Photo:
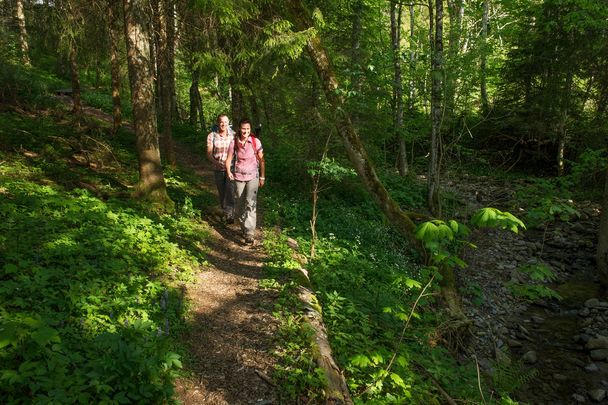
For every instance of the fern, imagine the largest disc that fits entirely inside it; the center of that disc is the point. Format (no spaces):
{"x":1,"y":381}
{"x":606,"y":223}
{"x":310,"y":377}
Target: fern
{"x":509,"y":375}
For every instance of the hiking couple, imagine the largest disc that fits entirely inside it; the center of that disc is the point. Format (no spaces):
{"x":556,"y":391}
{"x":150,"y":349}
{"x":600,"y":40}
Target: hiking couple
{"x":237,"y":183}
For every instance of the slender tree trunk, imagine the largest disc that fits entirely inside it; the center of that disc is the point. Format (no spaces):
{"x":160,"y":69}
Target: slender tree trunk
{"x":562,"y":124}
{"x":455,"y":11}
{"x":114,"y":31}
{"x":413,"y":61}
{"x":164,"y":78}
{"x":171,"y":44}
{"x":398,"y":87}
{"x":193,"y":93}
{"x":434,"y":169}
{"x":602,"y":242}
{"x":255,"y":111}
{"x":356,"y":45}
{"x":237,"y":104}
{"x":484,"y":52}
{"x":23,"y":41}
{"x":151,"y":184}
{"x":76,"y":98}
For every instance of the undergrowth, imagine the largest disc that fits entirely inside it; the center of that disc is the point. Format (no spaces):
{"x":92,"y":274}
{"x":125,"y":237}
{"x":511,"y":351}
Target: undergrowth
{"x":91,"y":298}
{"x":367,"y":279}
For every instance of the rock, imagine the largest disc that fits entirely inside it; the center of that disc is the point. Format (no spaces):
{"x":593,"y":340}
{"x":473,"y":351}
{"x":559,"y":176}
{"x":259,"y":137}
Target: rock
{"x":530,"y":357}
{"x":597,"y":395}
{"x":559,"y":377}
{"x":592,"y":302}
{"x":601,"y":342}
{"x":584,"y":312}
{"x":592,"y":368}
{"x":578,"y":398}
{"x":537,"y":319}
{"x":514,"y":343}
{"x":599,"y":354}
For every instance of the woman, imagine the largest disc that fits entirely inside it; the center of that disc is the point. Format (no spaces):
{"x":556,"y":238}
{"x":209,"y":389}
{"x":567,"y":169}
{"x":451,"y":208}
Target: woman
{"x":249,"y":170}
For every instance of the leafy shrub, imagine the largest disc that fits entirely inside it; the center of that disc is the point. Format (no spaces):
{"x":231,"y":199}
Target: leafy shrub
{"x":20,"y":84}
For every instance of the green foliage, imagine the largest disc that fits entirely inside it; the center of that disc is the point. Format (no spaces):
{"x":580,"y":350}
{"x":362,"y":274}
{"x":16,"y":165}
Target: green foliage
{"x":494,"y":218}
{"x":297,"y":372}
{"x":550,"y":209}
{"x":510,"y":375}
{"x":366,"y":280}
{"x":531,"y":292}
{"x":90,"y":304}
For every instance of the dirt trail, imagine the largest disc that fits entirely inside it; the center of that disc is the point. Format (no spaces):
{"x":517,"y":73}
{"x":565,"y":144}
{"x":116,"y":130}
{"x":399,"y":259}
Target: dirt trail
{"x":232,"y":329}
{"x":231,"y":338}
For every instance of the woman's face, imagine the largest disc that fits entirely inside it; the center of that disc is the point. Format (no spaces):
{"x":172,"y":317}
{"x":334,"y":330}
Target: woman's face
{"x":222,"y":123}
{"x":245,"y":130}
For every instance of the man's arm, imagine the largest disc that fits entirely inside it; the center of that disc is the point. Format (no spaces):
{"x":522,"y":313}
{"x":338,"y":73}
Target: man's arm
{"x":228,"y":163}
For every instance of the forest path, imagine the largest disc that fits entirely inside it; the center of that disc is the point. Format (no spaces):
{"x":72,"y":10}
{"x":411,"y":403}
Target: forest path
{"x":231,"y":335}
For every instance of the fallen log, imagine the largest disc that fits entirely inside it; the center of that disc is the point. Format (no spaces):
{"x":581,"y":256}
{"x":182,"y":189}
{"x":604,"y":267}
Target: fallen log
{"x":336,"y":390}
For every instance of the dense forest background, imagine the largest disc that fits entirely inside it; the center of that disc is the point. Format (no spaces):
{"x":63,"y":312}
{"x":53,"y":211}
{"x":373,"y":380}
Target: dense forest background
{"x":395,"y":134}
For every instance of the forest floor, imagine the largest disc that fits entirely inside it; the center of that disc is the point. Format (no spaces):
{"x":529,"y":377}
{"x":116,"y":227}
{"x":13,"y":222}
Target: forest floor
{"x":548,"y":351}
{"x":231,"y":336}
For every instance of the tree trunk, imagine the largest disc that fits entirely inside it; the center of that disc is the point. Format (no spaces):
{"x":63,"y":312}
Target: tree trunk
{"x":484,"y":52}
{"x":171,"y":44}
{"x":562,"y":127}
{"x":114,"y":32}
{"x":398,"y":87}
{"x":164,"y":79}
{"x":237,"y":104}
{"x":602,"y":242}
{"x":75,"y":77}
{"x":356,"y":45}
{"x":193,"y":93}
{"x":23,"y":41}
{"x":151,"y":184}
{"x":434,"y":168}
{"x":455,"y":11}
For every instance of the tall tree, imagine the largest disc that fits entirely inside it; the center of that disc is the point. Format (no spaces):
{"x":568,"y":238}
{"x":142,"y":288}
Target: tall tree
{"x":23,"y":40}
{"x":151,"y":184}
{"x":483,"y":57}
{"x":434,"y":168}
{"x":398,"y":86}
{"x":164,"y":56}
{"x":113,"y":12}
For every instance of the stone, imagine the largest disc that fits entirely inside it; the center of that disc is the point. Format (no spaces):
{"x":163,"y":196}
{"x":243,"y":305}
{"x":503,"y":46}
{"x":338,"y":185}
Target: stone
{"x":592,"y":302}
{"x":537,"y":319}
{"x":599,"y":354}
{"x":578,"y":398}
{"x":584,"y":312}
{"x":601,"y":342}
{"x":514,"y":343}
{"x":559,"y":377}
{"x":530,"y":357}
{"x":597,"y":395}
{"x":592,"y":368}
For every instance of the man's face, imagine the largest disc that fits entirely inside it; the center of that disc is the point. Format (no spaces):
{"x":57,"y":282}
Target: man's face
{"x":245,"y":130}
{"x":222,"y":122}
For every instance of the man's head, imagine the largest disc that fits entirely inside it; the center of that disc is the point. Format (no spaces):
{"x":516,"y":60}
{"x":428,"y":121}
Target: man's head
{"x":222,"y":122}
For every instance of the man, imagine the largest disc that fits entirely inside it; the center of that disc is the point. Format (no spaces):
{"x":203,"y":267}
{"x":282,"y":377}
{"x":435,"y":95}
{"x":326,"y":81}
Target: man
{"x":218,"y":143}
{"x":248,"y":154}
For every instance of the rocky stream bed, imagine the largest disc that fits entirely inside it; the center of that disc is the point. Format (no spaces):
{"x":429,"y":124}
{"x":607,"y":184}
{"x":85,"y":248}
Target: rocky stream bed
{"x":559,"y":347}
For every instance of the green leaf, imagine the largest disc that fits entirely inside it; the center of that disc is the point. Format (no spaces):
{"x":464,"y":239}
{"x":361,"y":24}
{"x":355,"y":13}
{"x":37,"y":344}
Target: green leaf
{"x":360,"y":360}
{"x":45,"y":335}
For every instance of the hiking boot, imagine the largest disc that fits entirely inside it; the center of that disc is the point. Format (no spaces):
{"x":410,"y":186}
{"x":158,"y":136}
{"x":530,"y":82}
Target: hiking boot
{"x":249,"y":240}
